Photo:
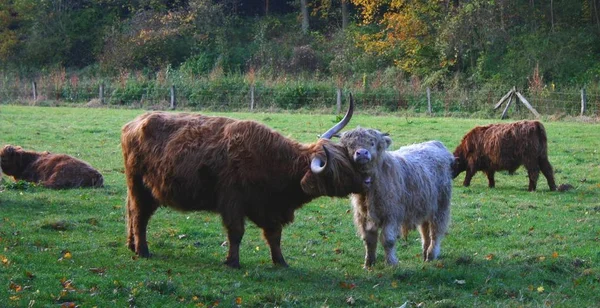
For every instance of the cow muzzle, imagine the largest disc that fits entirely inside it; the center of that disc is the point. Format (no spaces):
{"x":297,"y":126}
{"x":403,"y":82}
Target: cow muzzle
{"x":362,"y":156}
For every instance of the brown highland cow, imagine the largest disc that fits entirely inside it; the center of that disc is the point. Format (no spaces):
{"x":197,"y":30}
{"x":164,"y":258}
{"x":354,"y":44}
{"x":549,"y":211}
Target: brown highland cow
{"x":498,"y":147}
{"x":239,"y":169}
{"x":50,"y":170}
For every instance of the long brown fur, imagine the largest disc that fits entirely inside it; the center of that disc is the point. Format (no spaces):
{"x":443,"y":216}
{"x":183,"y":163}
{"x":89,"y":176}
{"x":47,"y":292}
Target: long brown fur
{"x":236,"y":168}
{"x":55,"y":171}
{"x":498,"y":147}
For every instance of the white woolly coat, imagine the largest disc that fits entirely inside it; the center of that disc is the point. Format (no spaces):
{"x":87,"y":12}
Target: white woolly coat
{"x":409,"y":185}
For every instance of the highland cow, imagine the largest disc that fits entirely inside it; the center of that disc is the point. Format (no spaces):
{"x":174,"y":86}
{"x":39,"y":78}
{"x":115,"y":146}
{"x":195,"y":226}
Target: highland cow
{"x":409,"y":187}
{"x":55,"y":171}
{"x":239,"y":169}
{"x":498,"y":147}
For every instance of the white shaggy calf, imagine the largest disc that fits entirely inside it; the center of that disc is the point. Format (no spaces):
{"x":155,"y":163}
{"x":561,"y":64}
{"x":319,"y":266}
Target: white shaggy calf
{"x":404,"y":189}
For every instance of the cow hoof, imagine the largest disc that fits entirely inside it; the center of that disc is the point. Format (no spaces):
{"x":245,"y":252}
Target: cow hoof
{"x":233,"y":264}
{"x":281,"y":264}
{"x":143,"y":253}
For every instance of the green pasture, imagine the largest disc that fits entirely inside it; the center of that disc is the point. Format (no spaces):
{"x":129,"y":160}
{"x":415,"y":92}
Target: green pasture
{"x":506,"y":247}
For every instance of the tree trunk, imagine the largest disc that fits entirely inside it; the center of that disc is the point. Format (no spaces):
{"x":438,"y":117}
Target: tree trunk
{"x":266,"y":7}
{"x":596,"y":13}
{"x":552,"y":15}
{"x":304,"y":10}
{"x":502,"y":14}
{"x":344,"y":14}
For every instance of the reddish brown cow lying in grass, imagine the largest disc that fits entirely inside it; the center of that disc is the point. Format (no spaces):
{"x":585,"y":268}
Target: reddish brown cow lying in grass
{"x":498,"y":147}
{"x":239,"y":169}
{"x":50,"y":170}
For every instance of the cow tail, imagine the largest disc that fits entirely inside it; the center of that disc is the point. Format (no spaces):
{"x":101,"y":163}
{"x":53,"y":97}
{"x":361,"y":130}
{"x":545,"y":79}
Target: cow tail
{"x":541,"y":131}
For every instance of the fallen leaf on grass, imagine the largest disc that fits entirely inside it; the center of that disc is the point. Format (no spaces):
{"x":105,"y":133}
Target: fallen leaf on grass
{"x":68,"y":305}
{"x":587,"y":272}
{"x":15,"y":287}
{"x":460,"y":282}
{"x":348,"y":286}
{"x":238,"y":300}
{"x":67,"y":284}
{"x":4,"y":260}
{"x":555,"y":255}
{"x":61,"y":225}
{"x":98,"y":270}
{"x":350,"y":300}
{"x":66,"y":255}
{"x":489,"y":257}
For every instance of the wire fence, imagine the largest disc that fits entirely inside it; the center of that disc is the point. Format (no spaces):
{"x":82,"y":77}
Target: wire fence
{"x":269,"y":98}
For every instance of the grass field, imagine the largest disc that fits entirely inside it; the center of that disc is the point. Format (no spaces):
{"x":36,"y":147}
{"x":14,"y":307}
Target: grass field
{"x":506,"y":247}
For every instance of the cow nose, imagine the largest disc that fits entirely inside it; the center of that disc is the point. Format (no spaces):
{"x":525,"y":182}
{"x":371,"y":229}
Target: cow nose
{"x":362,"y":156}
{"x":361,"y":153}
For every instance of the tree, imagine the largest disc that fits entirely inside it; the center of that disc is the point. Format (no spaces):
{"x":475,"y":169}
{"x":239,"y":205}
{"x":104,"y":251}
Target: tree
{"x":344,"y":4}
{"x":304,"y":11}
{"x":406,"y":31}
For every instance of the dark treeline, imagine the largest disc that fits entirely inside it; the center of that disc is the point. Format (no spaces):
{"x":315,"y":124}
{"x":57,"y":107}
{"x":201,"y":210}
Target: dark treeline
{"x":441,"y":43}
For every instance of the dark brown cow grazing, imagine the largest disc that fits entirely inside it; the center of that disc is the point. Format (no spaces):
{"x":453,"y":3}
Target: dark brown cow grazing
{"x":50,"y":170}
{"x":236,"y":168}
{"x":498,"y":147}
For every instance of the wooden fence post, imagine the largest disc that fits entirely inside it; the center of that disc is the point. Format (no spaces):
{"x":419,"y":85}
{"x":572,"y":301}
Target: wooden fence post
{"x":173,"y":101}
{"x":251,"y":97}
{"x":338,"y":100}
{"x":510,"y":99}
{"x":428,"y":101}
{"x":583,"y":101}
{"x":527,"y":104}
{"x":101,"y":93}
{"x":34,"y":86}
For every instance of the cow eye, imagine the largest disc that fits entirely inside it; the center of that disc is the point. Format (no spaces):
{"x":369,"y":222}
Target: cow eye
{"x":372,"y":143}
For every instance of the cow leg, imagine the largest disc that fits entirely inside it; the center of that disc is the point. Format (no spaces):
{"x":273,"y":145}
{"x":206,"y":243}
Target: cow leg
{"x":235,"y":233}
{"x":548,"y":172}
{"x":469,"y":175}
{"x":425,"y":232}
{"x":59,"y":180}
{"x":389,"y":234}
{"x":491,"y":180}
{"x":368,"y":232}
{"x":140,"y":207}
{"x":533,"y":173}
{"x":273,"y":237}
{"x":437,"y":227}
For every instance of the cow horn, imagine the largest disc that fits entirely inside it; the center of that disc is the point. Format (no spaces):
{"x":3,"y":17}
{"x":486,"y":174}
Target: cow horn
{"x":317,"y":165}
{"x":338,"y":127}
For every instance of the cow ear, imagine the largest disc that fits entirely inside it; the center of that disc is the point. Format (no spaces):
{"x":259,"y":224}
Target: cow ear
{"x":8,"y":150}
{"x":387,"y":140}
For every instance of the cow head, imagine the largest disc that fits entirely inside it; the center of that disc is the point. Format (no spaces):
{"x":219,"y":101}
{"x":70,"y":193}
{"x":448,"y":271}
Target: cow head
{"x":460,"y":163}
{"x":365,"y":146}
{"x":331,"y":170}
{"x":11,"y":159}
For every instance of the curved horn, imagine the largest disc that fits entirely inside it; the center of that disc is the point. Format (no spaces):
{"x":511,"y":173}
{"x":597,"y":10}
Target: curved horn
{"x":317,"y":165}
{"x":338,"y":127}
